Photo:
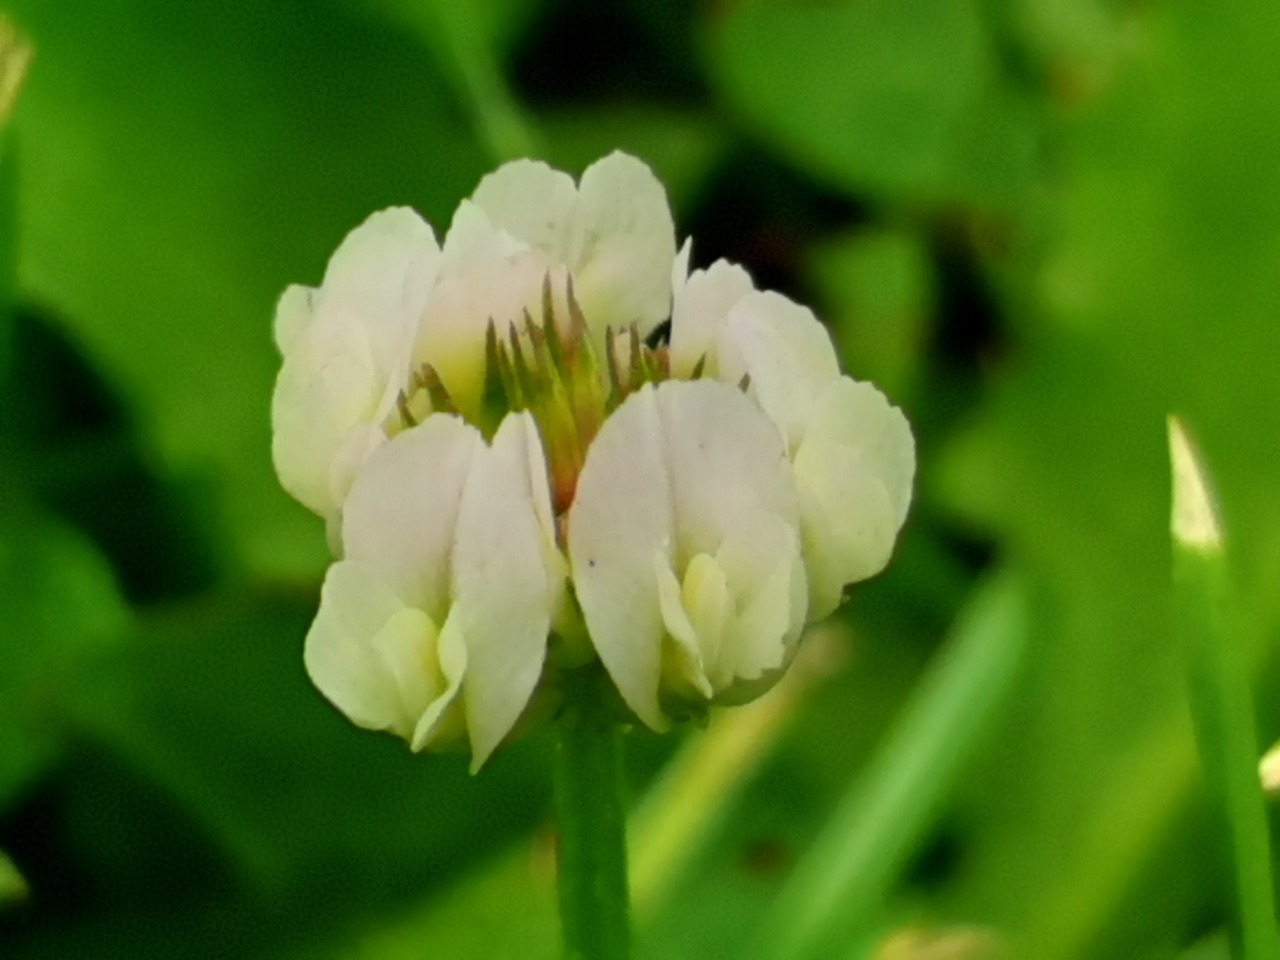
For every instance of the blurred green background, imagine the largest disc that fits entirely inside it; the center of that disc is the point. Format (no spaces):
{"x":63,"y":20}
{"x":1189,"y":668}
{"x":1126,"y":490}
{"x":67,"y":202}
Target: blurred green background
{"x":1039,"y":225}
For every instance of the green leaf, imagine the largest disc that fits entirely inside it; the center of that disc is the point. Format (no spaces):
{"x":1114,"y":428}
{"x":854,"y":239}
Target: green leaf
{"x":464,"y":36}
{"x":880,"y":287}
{"x":1158,"y":292}
{"x":60,"y":613}
{"x":513,"y":903}
{"x":183,"y":164}
{"x":214,"y":705}
{"x":867,"y":95}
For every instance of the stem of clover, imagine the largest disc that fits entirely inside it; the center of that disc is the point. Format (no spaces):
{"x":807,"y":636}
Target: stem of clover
{"x":594,"y":904}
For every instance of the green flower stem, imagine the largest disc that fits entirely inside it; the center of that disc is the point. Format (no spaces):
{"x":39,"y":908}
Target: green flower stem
{"x":594,"y":908}
{"x":1221,"y":701}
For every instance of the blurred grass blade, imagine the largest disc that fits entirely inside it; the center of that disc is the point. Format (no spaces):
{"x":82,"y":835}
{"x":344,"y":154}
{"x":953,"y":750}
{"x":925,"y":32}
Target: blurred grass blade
{"x":1221,"y":701}
{"x":15,"y":56}
{"x":698,"y":788}
{"x":13,"y":886}
{"x":852,"y":866}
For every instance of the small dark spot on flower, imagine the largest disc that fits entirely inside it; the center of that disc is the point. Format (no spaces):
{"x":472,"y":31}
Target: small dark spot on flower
{"x":591,"y":563}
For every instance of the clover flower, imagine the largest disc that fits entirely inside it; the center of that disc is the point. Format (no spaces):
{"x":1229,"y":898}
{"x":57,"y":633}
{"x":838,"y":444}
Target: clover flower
{"x":521,"y":480}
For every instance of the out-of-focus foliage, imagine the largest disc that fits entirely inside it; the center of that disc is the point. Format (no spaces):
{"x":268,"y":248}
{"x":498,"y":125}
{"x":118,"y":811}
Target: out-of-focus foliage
{"x":1041,"y":225}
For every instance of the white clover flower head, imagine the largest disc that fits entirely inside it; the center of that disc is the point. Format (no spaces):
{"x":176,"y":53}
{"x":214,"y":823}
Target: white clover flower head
{"x":522,"y":485}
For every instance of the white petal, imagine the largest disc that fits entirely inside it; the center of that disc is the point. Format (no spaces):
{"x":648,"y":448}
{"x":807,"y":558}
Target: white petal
{"x":682,"y":663}
{"x":530,"y":201}
{"x":622,"y":246}
{"x":357,"y":445}
{"x":847,"y":521}
{"x":788,"y":354}
{"x":857,"y":415}
{"x":485,"y":274}
{"x":370,"y":655}
{"x":539,"y":491}
{"x":680,"y":267}
{"x":346,"y":353}
{"x":381,"y":275}
{"x":698,"y":314}
{"x":473,"y":235}
{"x":444,"y":721}
{"x":762,"y":562}
{"x":400,"y":516}
{"x":312,"y":410}
{"x":671,"y":474}
{"x":620,"y":520}
{"x":293,"y":315}
{"x":726,"y":460}
{"x":854,"y":472}
{"x":501,"y":587}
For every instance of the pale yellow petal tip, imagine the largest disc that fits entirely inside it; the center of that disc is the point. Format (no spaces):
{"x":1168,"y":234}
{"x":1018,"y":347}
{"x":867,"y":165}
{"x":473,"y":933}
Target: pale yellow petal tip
{"x":1269,"y":771}
{"x":1194,"y":517}
{"x":15,"y":57}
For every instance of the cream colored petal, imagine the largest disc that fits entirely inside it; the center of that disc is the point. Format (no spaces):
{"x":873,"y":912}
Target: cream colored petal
{"x":366,"y":651}
{"x":312,"y":411}
{"x":698,"y":314}
{"x":356,"y":447}
{"x":847,"y":520}
{"x":680,"y":267}
{"x":293,"y":315}
{"x":538,"y":488}
{"x":474,"y":236}
{"x":854,"y":471}
{"x":622,"y":246}
{"x":761,"y":559}
{"x":444,"y":721}
{"x":788,"y":355}
{"x":672,"y":474}
{"x":530,"y":201}
{"x":380,"y":275}
{"x":501,"y":587}
{"x":709,"y":602}
{"x":370,"y":264}
{"x":346,"y":353}
{"x":485,"y":274}
{"x":857,"y":415}
{"x":620,"y":520}
{"x":682,"y":662}
{"x":726,"y":462}
{"x":400,"y":516}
